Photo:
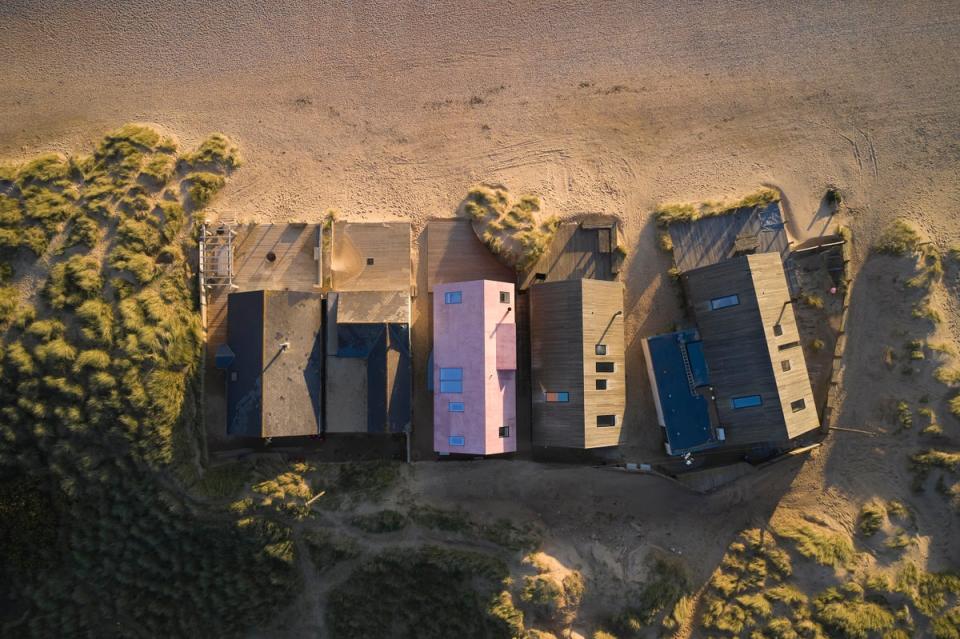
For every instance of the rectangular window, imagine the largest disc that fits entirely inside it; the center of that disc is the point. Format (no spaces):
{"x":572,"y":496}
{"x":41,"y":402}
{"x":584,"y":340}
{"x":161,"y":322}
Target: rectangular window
{"x":606,"y":420}
{"x":504,"y":431}
{"x":798,"y":405}
{"x":451,"y":380}
{"x":453,"y":297}
{"x":785,"y":364}
{"x":455,"y":407}
{"x":723,"y":302}
{"x":504,"y":297}
{"x":601,"y":349}
{"x":604,"y":367}
{"x":777,"y":330}
{"x":558,"y":397}
{"x":456,"y":440}
{"x":788,"y":346}
{"x":601,"y":384}
{"x":747,"y":401}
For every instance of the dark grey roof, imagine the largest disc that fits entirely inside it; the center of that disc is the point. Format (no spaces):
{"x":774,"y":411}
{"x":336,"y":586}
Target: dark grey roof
{"x":274,"y":382}
{"x":744,"y":352}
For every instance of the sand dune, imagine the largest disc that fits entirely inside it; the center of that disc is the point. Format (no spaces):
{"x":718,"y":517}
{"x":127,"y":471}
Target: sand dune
{"x":395,"y":108}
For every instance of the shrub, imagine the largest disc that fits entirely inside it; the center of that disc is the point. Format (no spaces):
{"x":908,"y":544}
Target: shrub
{"x":823,"y":546}
{"x":159,"y":169}
{"x":83,"y":231}
{"x":327,"y":551}
{"x":95,"y":359}
{"x":142,"y":266}
{"x":217,"y":152}
{"x":833,"y":197}
{"x":9,"y":303}
{"x":899,"y":238}
{"x":947,"y":375}
{"x":96,"y":320}
{"x":812,"y":300}
{"x":55,"y":352}
{"x":871,"y":518}
{"x":904,"y":415}
{"x":139,"y":237}
{"x":51,"y":169}
{"x":382,"y":521}
{"x":933,"y":458}
{"x":427,"y":592}
{"x":202,"y":187}
{"x":74,"y":281}
{"x":855,"y":619}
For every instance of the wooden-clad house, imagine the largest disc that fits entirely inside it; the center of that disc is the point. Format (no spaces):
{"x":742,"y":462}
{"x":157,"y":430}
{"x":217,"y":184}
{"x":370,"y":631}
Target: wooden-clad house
{"x":744,"y":359}
{"x":577,"y":363}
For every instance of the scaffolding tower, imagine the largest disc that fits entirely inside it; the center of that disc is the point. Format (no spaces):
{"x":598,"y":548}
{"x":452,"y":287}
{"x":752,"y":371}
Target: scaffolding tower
{"x":216,"y":255}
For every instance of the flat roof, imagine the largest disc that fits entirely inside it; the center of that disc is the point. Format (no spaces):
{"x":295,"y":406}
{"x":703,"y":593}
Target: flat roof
{"x":274,"y":382}
{"x":682,"y":390}
{"x":369,"y":383}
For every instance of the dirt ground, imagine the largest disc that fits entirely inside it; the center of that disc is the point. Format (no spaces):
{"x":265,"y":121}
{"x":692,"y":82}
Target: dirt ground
{"x":394,"y":109}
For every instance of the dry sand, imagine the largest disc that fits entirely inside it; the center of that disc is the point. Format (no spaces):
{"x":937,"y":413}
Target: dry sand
{"x":394,"y":109}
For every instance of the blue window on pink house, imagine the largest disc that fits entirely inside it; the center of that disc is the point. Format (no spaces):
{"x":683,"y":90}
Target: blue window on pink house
{"x":451,"y":380}
{"x":456,"y":440}
{"x":455,"y":407}
{"x":453,"y":297}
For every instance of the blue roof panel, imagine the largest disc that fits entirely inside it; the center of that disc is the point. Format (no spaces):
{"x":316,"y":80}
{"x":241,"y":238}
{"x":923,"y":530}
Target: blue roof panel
{"x":686,"y":413}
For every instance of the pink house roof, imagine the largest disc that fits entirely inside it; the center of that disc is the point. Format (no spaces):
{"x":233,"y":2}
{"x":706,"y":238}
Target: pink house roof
{"x":474,"y":368}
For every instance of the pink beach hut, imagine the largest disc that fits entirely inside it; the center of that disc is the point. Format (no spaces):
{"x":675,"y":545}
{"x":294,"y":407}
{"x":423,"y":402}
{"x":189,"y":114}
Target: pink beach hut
{"x":474,"y":368}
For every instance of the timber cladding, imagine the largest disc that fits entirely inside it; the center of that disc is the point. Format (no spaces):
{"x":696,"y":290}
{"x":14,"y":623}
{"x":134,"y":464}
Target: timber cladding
{"x":568,"y":320}
{"x":745,"y":344}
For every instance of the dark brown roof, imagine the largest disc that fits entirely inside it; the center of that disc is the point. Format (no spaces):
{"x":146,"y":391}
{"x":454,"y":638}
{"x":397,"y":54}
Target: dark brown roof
{"x":568,"y":319}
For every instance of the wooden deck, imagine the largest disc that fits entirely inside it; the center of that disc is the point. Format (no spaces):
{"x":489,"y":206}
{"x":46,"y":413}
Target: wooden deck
{"x":455,"y":254}
{"x":578,"y":251}
{"x":711,"y":240}
{"x":371,"y":256}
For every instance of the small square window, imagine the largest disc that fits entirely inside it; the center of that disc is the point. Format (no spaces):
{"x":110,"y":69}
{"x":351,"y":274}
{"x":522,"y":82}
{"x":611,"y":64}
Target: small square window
{"x":785,"y":364}
{"x":451,"y":380}
{"x":777,"y":330}
{"x":504,"y":297}
{"x":453,"y":297}
{"x":562,"y":396}
{"x":601,"y":384}
{"x":606,"y":420}
{"x":798,"y":405}
{"x":600,"y":349}
{"x":456,"y":440}
{"x":605,"y":367}
{"x":369,"y":261}
{"x":455,"y":407}
{"x":504,"y":431}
